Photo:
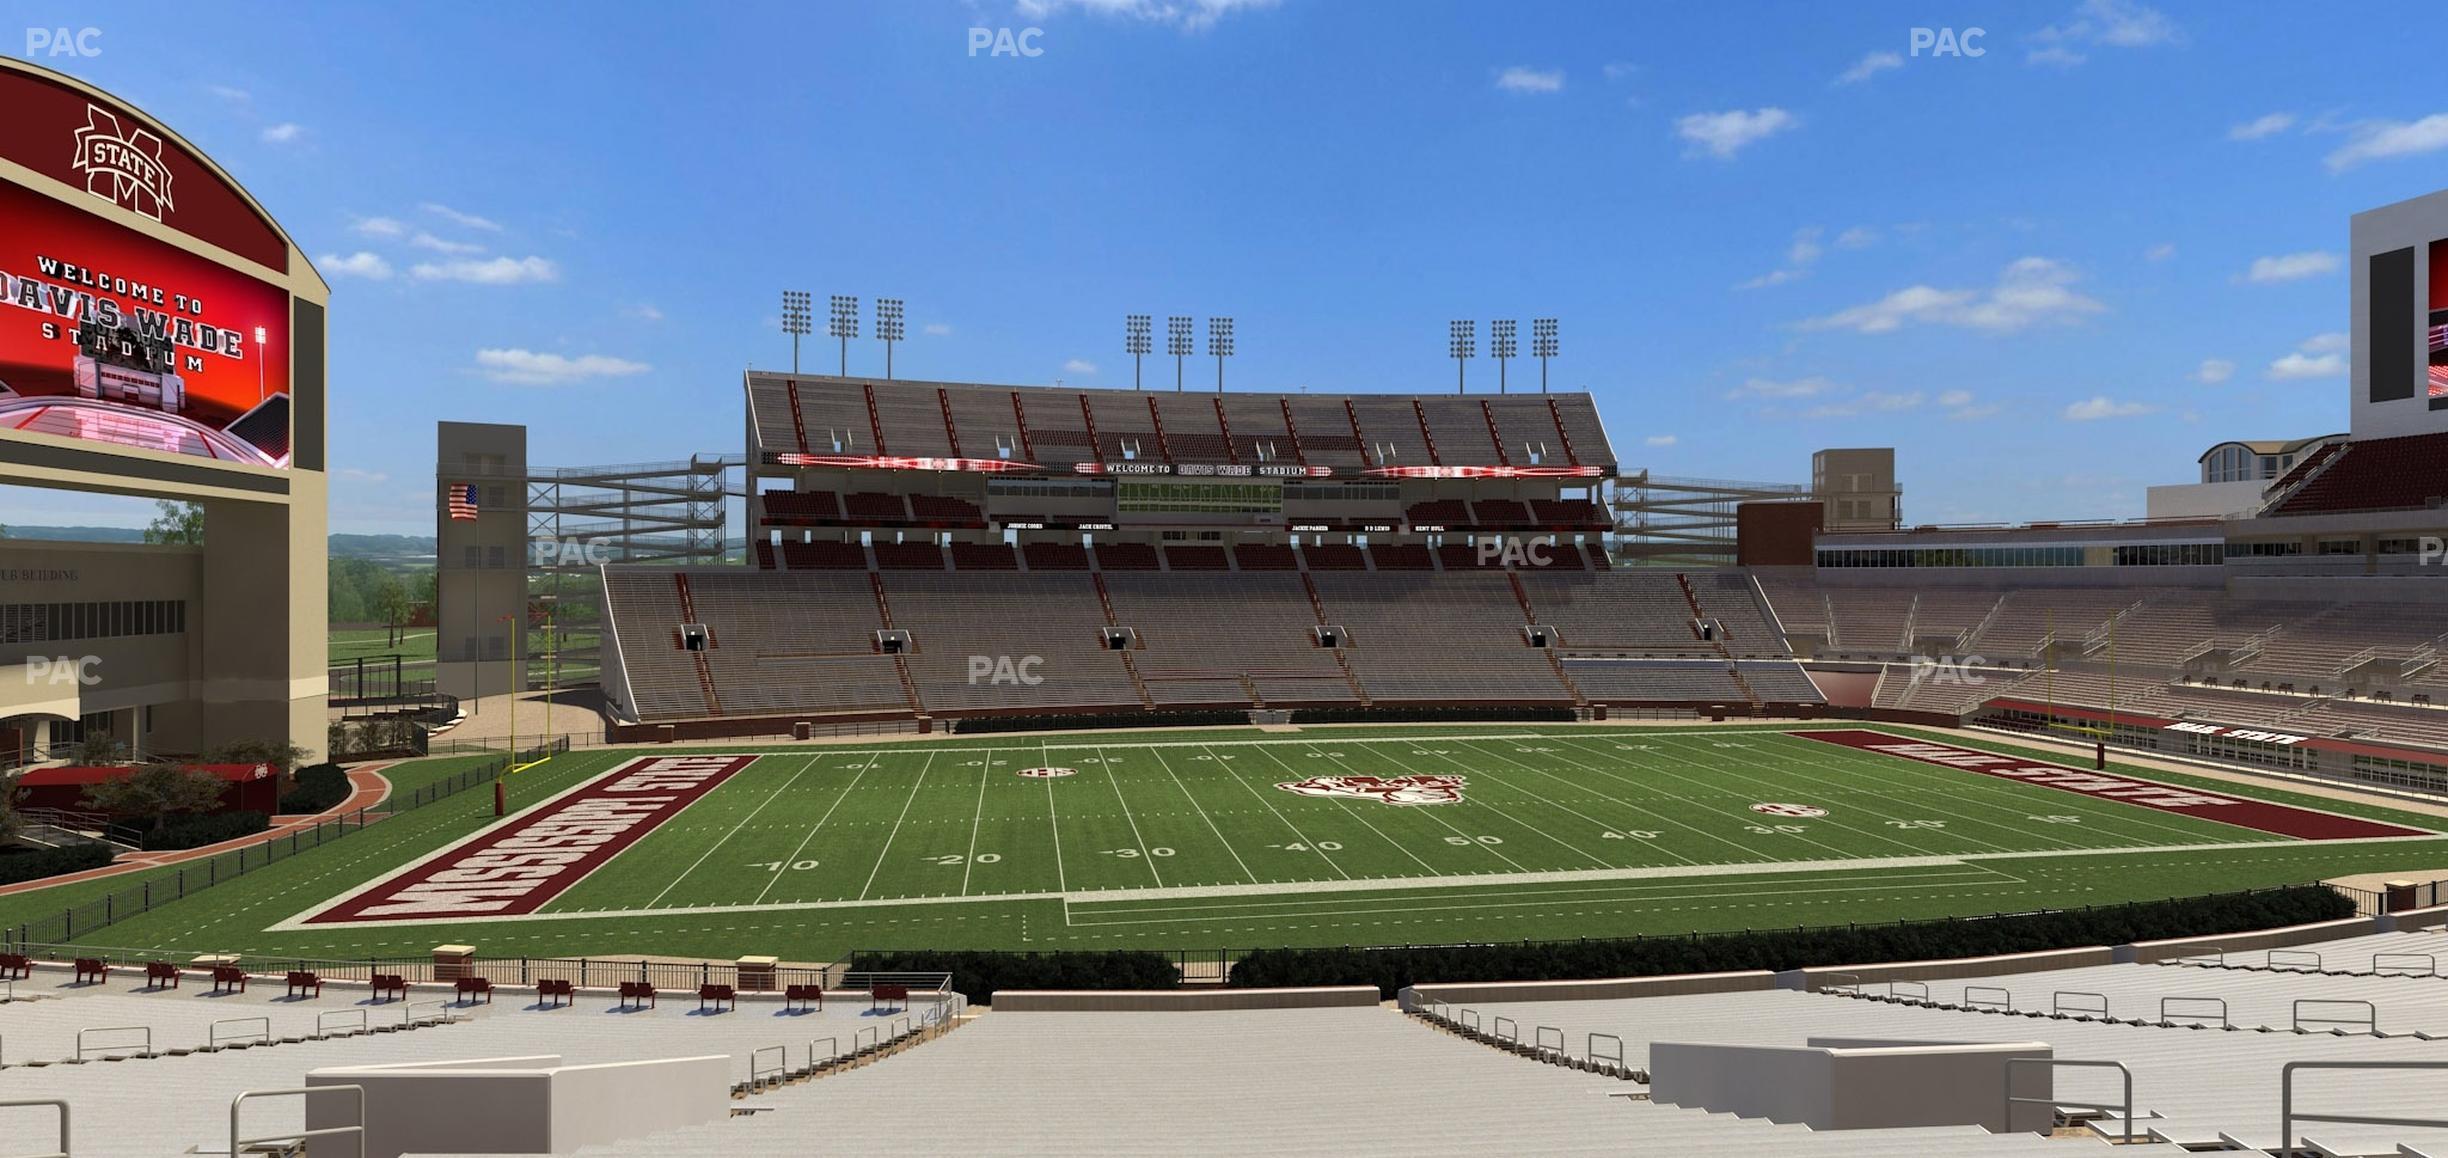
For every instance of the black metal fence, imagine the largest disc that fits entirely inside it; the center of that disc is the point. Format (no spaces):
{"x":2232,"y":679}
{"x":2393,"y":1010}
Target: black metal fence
{"x":164,"y":886}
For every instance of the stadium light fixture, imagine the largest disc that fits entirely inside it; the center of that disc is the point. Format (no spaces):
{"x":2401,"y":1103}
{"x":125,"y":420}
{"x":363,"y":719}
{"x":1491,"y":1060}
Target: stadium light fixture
{"x":844,"y":325}
{"x":1136,"y":329}
{"x":1542,"y":346}
{"x":1220,"y":345}
{"x":1178,"y":343}
{"x":889,"y":315}
{"x":1461,"y":342}
{"x":796,"y":315}
{"x":259,"y":364}
{"x":1501,"y":347}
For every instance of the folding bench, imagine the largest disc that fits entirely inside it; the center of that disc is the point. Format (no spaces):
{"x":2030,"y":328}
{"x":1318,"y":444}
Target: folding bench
{"x":720,"y":995}
{"x":229,"y":979}
{"x":92,"y":969}
{"x":794,"y":996}
{"x":632,"y":992}
{"x":301,"y":981}
{"x":16,"y":967}
{"x":393,"y":984}
{"x":898,"y":995}
{"x":160,"y":973}
{"x":556,"y":991}
{"x":469,"y":987}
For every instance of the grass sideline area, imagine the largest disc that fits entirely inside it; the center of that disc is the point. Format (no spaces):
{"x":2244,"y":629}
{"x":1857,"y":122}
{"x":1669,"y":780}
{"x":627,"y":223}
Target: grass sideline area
{"x":1597,"y":831}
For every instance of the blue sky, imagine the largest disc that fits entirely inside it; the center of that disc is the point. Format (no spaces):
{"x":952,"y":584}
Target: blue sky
{"x":2051,"y":274}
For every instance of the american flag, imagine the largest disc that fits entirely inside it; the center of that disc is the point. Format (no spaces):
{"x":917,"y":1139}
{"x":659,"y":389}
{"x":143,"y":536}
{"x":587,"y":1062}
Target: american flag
{"x":462,"y":502}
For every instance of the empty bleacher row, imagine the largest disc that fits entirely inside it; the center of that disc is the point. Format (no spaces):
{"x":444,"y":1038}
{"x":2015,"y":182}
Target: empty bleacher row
{"x":1052,"y":426}
{"x":898,"y":641}
{"x":846,"y":554}
{"x":2378,"y":474}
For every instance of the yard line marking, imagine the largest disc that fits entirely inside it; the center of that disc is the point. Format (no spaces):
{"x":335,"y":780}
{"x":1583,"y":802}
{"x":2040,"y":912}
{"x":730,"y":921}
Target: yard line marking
{"x":1860,"y":798}
{"x":820,"y":823}
{"x":1062,"y":879}
{"x":977,"y":819}
{"x":1736,"y":845}
{"x":1141,"y":841}
{"x":1602,"y":825}
{"x":1618,"y":889}
{"x":1202,"y":811}
{"x":1270,"y":806}
{"x":743,"y":823}
{"x":1509,"y":818}
{"x":1355,"y":815}
{"x":895,"y":834}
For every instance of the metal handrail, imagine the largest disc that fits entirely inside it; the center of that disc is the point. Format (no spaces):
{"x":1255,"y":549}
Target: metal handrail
{"x":2004,"y":1000}
{"x":1590,"y":1048}
{"x":1469,"y":1020}
{"x":357,"y":1131}
{"x":1824,"y":987}
{"x":1891,"y":989}
{"x":2165,"y":1014}
{"x":779,"y":1067}
{"x":146,"y":1030}
{"x":855,"y":1047}
{"x":2053,"y":1062}
{"x":212,"y":1033}
{"x":60,"y":1104}
{"x":328,"y":1014}
{"x":2293,"y":953}
{"x":2217,"y":955}
{"x":2057,"y":1004}
{"x":2371,"y":1013}
{"x":2430,"y":964}
{"x":1500,"y":1033}
{"x":832,"y":1050}
{"x":408,"y":1012}
{"x":2287,"y":1117}
{"x":1538,"y":1039}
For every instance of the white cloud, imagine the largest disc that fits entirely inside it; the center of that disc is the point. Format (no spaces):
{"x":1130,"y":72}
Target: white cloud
{"x":283,"y":133}
{"x":1954,"y":398}
{"x":2103,"y":23}
{"x":1810,"y":387}
{"x":2381,"y":140}
{"x":440,"y":245}
{"x":2214,"y":371}
{"x":1799,"y":256}
{"x":1722,"y":135}
{"x":2101,"y":406}
{"x":1079,"y":366}
{"x":1960,"y":406}
{"x":2291,"y":267}
{"x":1870,"y":402}
{"x":2056,"y":55}
{"x":1869,"y":66}
{"x":1619,"y":69}
{"x":2160,"y":252}
{"x":936,"y":329}
{"x":379,"y":227}
{"x":230,"y":93}
{"x":2263,"y":126}
{"x":1519,"y":79}
{"x":528,"y":368}
{"x":490,"y":271}
{"x":1187,"y":15}
{"x":2032,"y":291}
{"x":2319,"y":356}
{"x":463,"y":220}
{"x":644,"y":312}
{"x":359,"y":264}
{"x":1661,"y":440}
{"x":1858,"y":237}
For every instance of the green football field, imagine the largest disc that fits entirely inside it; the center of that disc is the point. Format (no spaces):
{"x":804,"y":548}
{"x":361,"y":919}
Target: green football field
{"x":1194,"y":841}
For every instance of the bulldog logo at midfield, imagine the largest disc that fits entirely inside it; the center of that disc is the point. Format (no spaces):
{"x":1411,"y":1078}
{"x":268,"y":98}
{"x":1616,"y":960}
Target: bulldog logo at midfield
{"x":1425,"y":789}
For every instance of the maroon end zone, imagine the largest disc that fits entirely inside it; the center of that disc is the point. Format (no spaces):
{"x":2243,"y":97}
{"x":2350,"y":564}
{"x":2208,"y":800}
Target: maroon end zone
{"x":513,"y":869}
{"x":2259,"y":815}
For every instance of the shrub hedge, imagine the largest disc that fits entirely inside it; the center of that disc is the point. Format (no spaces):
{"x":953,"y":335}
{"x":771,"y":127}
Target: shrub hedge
{"x":979,"y":974}
{"x":51,"y":862}
{"x":197,"y":831}
{"x":1391,"y":969}
{"x":1491,"y":712}
{"x":318,"y":787}
{"x":1102,"y":720}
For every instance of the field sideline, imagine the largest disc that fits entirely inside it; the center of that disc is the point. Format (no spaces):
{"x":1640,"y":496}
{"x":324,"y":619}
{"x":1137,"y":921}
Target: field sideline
{"x":1190,"y":840}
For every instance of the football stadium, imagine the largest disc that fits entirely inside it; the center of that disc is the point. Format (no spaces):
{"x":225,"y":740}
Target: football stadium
{"x":1172,"y":767}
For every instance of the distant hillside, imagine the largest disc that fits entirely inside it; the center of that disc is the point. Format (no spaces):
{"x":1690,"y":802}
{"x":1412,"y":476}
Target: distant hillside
{"x":342,"y":546}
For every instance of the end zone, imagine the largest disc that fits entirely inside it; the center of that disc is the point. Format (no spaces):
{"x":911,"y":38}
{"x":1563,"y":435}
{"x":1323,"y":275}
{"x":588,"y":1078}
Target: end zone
{"x":514,"y":868}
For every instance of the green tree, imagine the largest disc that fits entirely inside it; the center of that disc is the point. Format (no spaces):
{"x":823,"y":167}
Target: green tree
{"x":392,"y":604}
{"x":178,"y":523}
{"x":280,"y":754}
{"x":154,"y":791}
{"x":97,"y":747}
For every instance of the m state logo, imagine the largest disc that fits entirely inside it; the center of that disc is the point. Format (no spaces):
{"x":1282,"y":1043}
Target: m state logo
{"x":1046,"y":773}
{"x":1425,"y":789}
{"x":1802,"y":811}
{"x":122,"y":167}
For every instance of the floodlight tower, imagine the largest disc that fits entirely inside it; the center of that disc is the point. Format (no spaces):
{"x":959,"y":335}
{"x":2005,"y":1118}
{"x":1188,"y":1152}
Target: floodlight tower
{"x":1220,"y":345}
{"x":889,"y":315}
{"x":1178,"y":343}
{"x":795,"y":319}
{"x":1501,"y":347}
{"x":844,"y":325}
{"x":1461,"y":342}
{"x":1135,"y":332}
{"x":1543,"y":346}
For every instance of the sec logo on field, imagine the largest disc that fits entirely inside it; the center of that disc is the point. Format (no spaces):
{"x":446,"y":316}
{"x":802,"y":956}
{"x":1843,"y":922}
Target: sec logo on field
{"x":1046,"y":773}
{"x":1805,"y":811}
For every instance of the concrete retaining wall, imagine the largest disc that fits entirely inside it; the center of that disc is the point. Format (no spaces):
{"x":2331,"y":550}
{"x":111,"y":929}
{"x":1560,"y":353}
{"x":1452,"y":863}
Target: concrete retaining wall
{"x":1179,"y":1000}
